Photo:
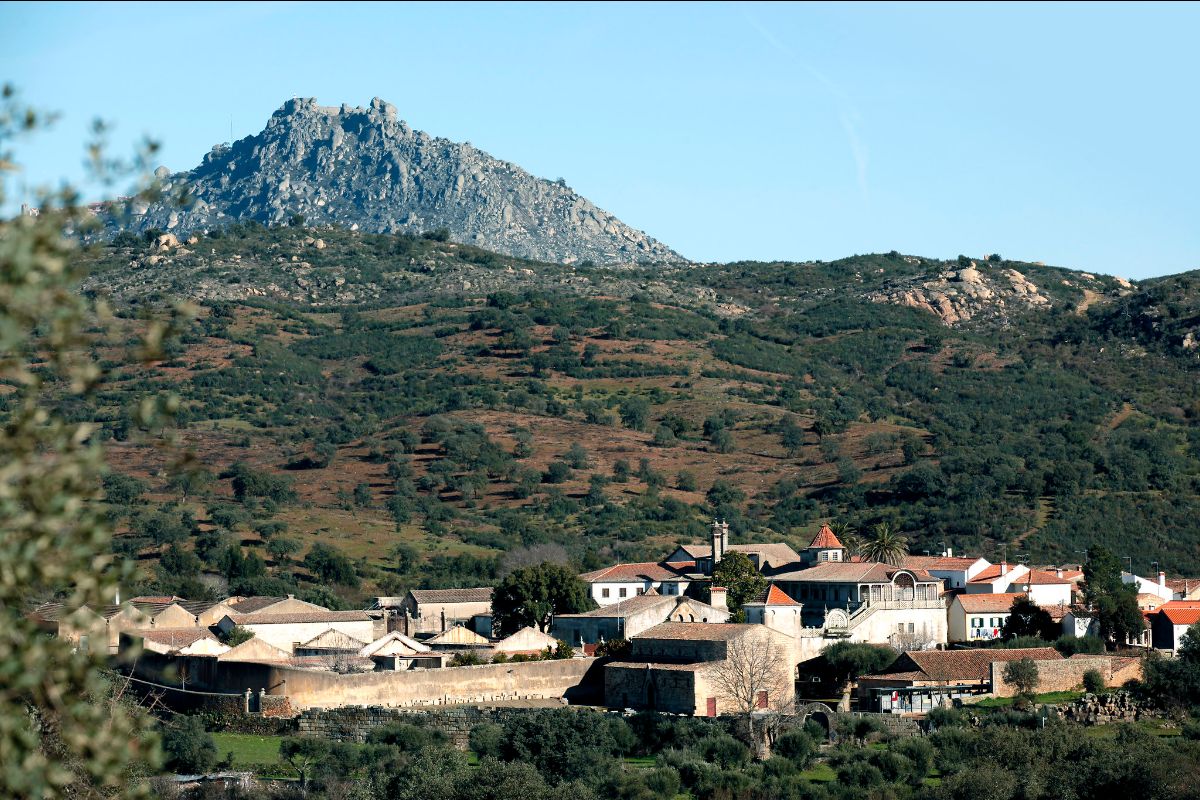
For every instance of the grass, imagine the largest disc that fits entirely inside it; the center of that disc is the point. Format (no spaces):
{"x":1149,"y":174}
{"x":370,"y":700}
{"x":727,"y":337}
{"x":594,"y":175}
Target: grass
{"x":248,"y":748}
{"x":1048,"y":698}
{"x":820,"y":773}
{"x":641,"y":762}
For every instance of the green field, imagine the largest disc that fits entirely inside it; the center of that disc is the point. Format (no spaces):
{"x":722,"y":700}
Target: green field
{"x":1049,"y":698}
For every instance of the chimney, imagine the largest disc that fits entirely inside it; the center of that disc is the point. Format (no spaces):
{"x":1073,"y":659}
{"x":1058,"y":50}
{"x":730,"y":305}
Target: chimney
{"x":717,"y":599}
{"x":1162,"y":578}
{"x":1058,"y":572}
{"x":718,"y":543}
{"x":949,"y":552}
{"x":1004,"y":567}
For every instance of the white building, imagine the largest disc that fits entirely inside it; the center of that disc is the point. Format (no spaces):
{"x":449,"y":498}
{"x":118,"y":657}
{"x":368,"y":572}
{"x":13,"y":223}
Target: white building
{"x":623,"y":581}
{"x":954,"y":572}
{"x":979,"y":617}
{"x":1147,"y":586}
{"x":285,"y":631}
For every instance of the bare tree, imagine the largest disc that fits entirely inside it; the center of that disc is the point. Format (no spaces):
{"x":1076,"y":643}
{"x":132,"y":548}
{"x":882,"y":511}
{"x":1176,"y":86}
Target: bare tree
{"x":754,"y":675}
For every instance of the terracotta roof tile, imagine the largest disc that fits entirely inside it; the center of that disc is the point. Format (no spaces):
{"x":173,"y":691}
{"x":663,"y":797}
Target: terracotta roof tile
{"x":825,"y":539}
{"x":950,"y":665}
{"x":778,"y":597}
{"x":852,"y":572}
{"x":944,"y":563}
{"x":1181,"y":612}
{"x":176,"y":637}
{"x":983,"y":603}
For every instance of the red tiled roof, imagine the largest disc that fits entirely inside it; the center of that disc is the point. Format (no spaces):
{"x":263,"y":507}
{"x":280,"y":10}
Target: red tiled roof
{"x":1037,"y":577}
{"x":942,"y":665}
{"x":633,"y":573}
{"x":778,"y":597}
{"x":944,"y":563}
{"x":825,"y":539}
{"x":985,"y":603}
{"x":1181,"y":612}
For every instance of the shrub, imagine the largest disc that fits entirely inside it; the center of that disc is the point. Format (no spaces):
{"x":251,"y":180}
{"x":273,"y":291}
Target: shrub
{"x":188,"y":746}
{"x":1093,"y":681}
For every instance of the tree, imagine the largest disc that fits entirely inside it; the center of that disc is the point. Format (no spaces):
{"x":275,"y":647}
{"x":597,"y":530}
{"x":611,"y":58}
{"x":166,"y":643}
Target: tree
{"x":56,"y":735}
{"x":848,"y":660}
{"x":885,"y":545}
{"x":1027,"y":618}
{"x":237,"y":635}
{"x":303,"y":753}
{"x":533,"y":595}
{"x":848,"y":536}
{"x":1022,"y":675}
{"x":1112,"y":601}
{"x":753,"y":675}
{"x":189,"y":748}
{"x":1093,"y":681}
{"x":330,"y":566}
{"x":742,"y":581}
{"x":634,"y":412}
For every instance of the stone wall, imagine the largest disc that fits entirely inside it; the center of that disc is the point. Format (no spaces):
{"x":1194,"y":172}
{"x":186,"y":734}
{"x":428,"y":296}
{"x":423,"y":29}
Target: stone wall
{"x":1094,"y":709}
{"x":577,"y":679}
{"x":1067,"y":674}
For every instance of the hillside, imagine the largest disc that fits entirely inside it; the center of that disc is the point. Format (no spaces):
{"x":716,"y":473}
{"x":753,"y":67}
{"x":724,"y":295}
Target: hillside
{"x":440,"y":413}
{"x":364,"y":168}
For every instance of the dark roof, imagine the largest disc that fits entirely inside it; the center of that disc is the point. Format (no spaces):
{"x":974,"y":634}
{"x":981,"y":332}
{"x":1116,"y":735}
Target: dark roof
{"x":481,"y":594}
{"x":300,"y":617}
{"x":251,"y":605}
{"x":176,"y":637}
{"x":965,"y":665}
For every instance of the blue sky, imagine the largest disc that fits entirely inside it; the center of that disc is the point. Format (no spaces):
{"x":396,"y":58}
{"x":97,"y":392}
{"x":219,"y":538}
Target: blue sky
{"x":1064,"y":134}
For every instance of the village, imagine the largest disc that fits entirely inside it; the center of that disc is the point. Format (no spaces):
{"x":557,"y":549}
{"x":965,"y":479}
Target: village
{"x":651,"y":643}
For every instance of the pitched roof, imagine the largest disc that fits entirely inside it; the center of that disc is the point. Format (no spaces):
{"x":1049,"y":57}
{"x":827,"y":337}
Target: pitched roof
{"x":968,"y":665}
{"x":300,"y":617}
{"x":774,"y":596}
{"x":395,"y":643}
{"x":333,"y":639}
{"x":1038,"y":577}
{"x":526,"y":639}
{"x":482,"y":594}
{"x":1183,"y":585}
{"x":633,"y":573}
{"x":251,"y":605}
{"x":825,"y":540}
{"x":628,"y":606}
{"x":852,"y":572}
{"x":776,"y":554}
{"x":458,"y":635}
{"x":697,"y":631}
{"x":942,"y":563}
{"x":255,"y":649}
{"x":988,"y":603}
{"x":175,"y":638}
{"x":165,"y":599}
{"x":1181,"y":612}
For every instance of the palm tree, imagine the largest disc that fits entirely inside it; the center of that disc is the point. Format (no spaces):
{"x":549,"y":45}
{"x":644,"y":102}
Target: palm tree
{"x":848,"y":536}
{"x":885,"y":545}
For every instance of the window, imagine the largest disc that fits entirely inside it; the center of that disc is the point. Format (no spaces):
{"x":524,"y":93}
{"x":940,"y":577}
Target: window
{"x":977,"y":622}
{"x":623,"y":591}
{"x":604,"y":592}
{"x":900,"y":627}
{"x":912,"y":627}
{"x":641,"y":590}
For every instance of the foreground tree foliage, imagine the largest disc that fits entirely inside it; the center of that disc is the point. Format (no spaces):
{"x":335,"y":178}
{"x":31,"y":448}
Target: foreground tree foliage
{"x":58,"y":736}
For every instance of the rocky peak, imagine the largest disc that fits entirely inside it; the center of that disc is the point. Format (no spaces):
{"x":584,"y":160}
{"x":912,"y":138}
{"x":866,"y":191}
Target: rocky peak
{"x":364,"y":168}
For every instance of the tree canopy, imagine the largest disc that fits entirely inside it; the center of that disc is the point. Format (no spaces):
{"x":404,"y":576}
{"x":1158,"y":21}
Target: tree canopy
{"x":531,"y":596}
